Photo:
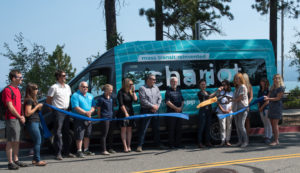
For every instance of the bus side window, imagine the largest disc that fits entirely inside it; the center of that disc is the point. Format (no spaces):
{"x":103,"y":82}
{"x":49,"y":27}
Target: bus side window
{"x":99,"y":78}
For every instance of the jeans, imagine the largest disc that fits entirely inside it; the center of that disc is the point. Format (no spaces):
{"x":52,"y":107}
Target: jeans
{"x":267,"y":124}
{"x":62,"y":135}
{"x":204,"y":121}
{"x":240,"y":127}
{"x":144,"y":123}
{"x":35,"y":131}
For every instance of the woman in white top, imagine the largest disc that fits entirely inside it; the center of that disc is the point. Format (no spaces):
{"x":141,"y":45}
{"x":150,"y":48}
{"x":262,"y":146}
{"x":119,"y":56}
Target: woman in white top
{"x":250,"y":97}
{"x":240,"y":100}
{"x":225,"y":107}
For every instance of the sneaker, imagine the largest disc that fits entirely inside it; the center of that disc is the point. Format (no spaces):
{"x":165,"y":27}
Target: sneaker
{"x":105,"y":153}
{"x":80,"y":154}
{"x":200,"y":145}
{"x":111,"y":151}
{"x":139,"y":149}
{"x":20,"y":164}
{"x":58,"y":157}
{"x":88,"y":153}
{"x":70,"y":155}
{"x":244,"y":145}
{"x":12,"y":166}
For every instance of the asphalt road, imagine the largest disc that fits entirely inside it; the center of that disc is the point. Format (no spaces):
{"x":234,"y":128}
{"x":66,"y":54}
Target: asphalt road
{"x":256,"y":158}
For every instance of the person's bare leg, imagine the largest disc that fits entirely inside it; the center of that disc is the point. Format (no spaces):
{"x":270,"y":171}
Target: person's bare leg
{"x":123,"y":137}
{"x":128,"y":138}
{"x":9,"y":150}
{"x":86,"y":143}
{"x":79,"y":145}
{"x":15,"y":150}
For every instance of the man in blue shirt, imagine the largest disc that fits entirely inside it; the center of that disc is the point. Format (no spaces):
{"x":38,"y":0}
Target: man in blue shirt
{"x":83,"y":103}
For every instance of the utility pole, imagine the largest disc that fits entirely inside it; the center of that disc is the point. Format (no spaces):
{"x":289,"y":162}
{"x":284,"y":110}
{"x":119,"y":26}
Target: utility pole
{"x":282,"y":39}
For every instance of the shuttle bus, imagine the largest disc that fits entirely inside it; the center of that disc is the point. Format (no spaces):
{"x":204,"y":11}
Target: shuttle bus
{"x":188,"y":60}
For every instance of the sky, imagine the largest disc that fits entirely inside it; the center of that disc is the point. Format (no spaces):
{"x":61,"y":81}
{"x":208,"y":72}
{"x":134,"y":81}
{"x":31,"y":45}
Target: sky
{"x":80,"y":26}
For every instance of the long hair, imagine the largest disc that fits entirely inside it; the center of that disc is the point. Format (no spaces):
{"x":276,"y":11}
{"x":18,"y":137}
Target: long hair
{"x":30,"y":94}
{"x":126,"y":85}
{"x":248,"y":84}
{"x":267,"y":83}
{"x":240,"y":77}
{"x":226,"y":82}
{"x":281,"y":84}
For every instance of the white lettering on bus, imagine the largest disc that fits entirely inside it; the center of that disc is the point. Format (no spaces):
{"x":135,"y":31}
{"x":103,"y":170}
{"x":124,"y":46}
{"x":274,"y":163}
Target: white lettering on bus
{"x":189,"y":75}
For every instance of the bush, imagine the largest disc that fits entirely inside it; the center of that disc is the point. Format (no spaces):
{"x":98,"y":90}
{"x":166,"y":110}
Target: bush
{"x":293,"y":99}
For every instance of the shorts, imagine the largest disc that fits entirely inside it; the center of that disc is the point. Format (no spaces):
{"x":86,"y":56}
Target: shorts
{"x":83,"y":129}
{"x":12,"y":130}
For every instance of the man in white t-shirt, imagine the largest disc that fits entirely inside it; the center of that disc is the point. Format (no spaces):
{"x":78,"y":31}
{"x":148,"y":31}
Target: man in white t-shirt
{"x":59,"y":96}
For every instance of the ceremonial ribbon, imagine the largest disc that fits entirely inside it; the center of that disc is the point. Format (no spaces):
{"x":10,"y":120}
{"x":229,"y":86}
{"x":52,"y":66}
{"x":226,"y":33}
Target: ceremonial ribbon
{"x":260,"y":99}
{"x":207,"y":102}
{"x":46,"y":132}
{"x":78,"y":116}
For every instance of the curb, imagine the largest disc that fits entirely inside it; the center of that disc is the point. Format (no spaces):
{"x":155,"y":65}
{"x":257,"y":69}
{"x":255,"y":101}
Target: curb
{"x":282,"y":129}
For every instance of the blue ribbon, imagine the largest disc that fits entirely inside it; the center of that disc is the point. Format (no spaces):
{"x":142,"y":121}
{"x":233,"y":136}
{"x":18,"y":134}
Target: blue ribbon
{"x":47,"y":133}
{"x":260,"y":99}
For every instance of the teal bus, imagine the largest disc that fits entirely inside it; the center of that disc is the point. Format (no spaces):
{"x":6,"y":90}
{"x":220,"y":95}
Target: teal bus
{"x":188,"y":60}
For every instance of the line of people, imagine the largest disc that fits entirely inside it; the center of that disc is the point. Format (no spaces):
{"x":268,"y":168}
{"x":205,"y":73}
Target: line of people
{"x":83,"y":102}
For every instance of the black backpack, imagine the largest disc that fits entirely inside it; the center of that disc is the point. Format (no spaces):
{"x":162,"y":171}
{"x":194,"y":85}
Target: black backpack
{"x":3,"y":108}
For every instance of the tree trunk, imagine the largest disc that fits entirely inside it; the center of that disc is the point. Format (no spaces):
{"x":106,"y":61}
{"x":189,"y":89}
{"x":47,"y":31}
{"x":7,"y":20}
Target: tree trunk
{"x":158,"y":20}
{"x":273,"y":26}
{"x":111,"y":26}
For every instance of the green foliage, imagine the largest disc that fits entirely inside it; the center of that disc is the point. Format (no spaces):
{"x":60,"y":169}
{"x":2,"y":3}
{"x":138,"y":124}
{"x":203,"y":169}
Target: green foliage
{"x":292,"y":7}
{"x":36,"y":65}
{"x":180,"y":17}
{"x":59,"y":61}
{"x":295,"y":54}
{"x":114,"y":40}
{"x":293,"y":99}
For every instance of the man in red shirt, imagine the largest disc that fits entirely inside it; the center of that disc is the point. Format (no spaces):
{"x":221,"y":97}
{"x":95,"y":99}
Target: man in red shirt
{"x":11,"y":97}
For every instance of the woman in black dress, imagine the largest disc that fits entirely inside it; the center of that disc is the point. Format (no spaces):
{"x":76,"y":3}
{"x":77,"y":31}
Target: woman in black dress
{"x":126,"y":96}
{"x":275,"y":105}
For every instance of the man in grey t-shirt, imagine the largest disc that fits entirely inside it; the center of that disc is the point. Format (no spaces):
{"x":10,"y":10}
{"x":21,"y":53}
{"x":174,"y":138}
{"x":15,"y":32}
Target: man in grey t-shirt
{"x":150,"y":100}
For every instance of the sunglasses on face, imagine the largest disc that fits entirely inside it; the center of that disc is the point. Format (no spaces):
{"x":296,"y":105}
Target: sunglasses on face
{"x":19,"y":77}
{"x":131,"y":84}
{"x":84,"y":86}
{"x":62,"y":75}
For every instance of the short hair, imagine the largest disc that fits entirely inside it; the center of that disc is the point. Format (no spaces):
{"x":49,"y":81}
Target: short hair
{"x":106,"y":86}
{"x":58,"y":74}
{"x":80,"y":84}
{"x":173,"y":78}
{"x":13,"y":73}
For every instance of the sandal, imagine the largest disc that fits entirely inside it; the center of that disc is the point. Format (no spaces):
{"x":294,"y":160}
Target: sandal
{"x":41,"y":163}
